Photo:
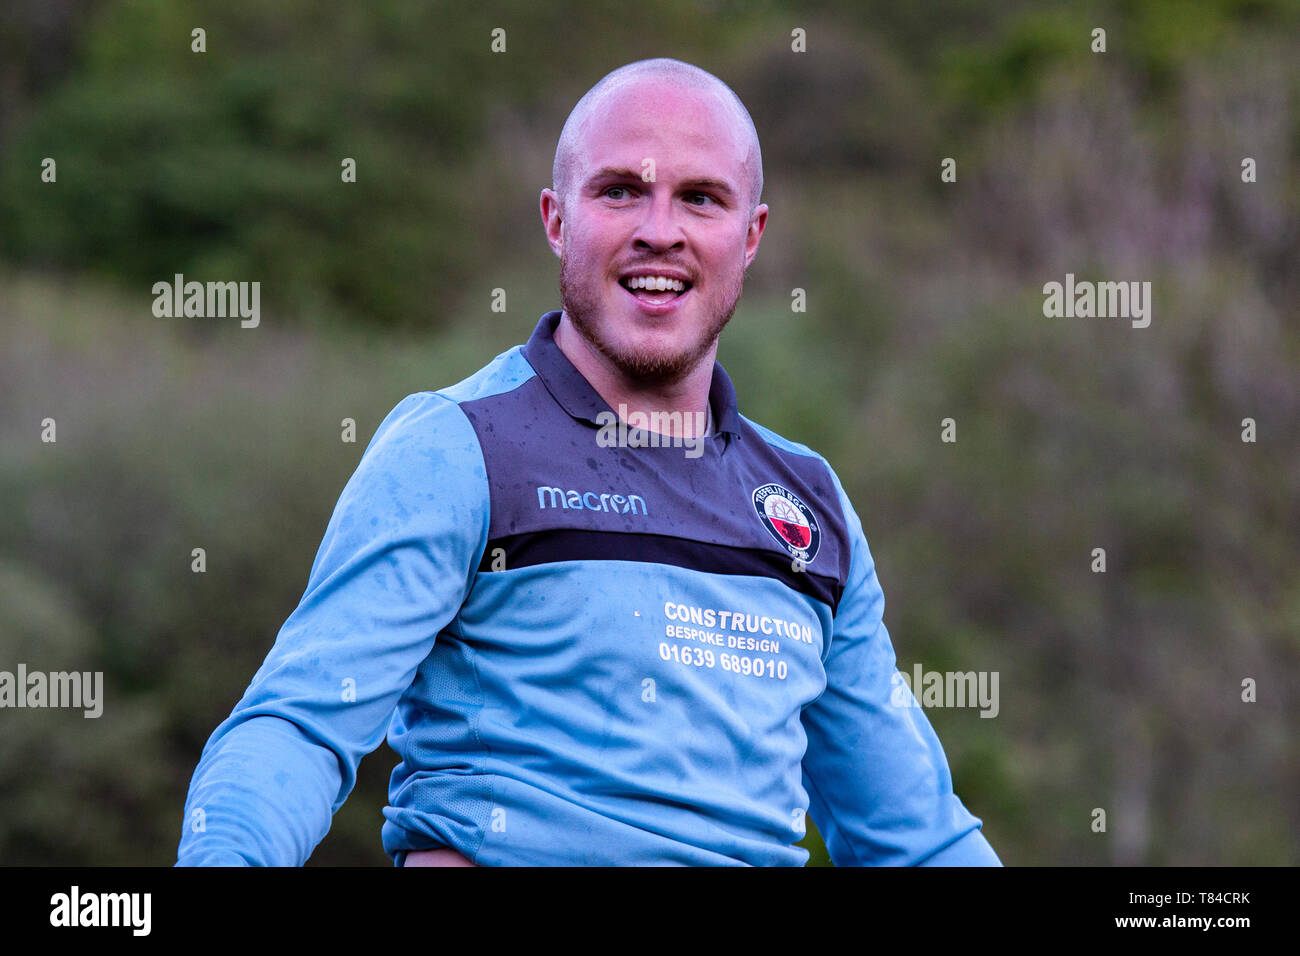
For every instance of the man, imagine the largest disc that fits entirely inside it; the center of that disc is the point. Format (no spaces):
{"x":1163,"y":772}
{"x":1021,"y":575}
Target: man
{"x":593,"y":641}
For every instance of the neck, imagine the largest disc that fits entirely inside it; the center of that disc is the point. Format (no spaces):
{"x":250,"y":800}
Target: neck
{"x":687,"y":396}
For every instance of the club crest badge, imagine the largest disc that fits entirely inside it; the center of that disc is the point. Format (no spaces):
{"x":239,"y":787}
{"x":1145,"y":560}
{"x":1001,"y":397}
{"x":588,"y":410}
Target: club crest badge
{"x":789,"y":520}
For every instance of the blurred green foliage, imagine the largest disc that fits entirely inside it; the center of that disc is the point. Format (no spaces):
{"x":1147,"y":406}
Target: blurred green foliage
{"x":1119,"y":690}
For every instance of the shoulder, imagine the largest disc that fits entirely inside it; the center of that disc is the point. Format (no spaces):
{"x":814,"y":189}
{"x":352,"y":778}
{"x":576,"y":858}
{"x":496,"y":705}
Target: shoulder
{"x":781,"y":442}
{"x":810,"y":458}
{"x":437,"y":415}
{"x":504,"y":373}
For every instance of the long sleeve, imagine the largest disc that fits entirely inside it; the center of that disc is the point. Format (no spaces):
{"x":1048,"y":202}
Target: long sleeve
{"x":879,"y":786}
{"x":396,"y":562}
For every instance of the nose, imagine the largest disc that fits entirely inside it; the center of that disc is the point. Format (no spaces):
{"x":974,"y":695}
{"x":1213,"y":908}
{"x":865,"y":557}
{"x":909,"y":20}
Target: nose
{"x":659,"y":230}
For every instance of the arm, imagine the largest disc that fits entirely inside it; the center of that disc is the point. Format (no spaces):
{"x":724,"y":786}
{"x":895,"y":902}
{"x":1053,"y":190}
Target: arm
{"x":396,"y":562}
{"x":879,"y":787}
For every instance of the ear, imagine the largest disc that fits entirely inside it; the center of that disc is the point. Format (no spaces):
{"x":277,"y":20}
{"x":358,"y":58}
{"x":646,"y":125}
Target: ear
{"x":553,"y":220}
{"x":754,"y":234}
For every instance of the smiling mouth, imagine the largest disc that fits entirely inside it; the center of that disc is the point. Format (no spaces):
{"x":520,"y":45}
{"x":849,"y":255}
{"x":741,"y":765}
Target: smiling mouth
{"x":655,"y":290}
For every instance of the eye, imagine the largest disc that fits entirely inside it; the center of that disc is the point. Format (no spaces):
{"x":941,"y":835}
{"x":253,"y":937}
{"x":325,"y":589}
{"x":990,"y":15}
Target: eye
{"x":701,"y":195}
{"x":608,"y":189}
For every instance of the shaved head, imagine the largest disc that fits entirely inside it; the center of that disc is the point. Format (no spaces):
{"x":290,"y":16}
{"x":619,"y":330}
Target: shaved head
{"x":570,"y":145}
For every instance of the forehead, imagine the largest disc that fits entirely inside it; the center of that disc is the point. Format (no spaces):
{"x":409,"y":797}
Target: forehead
{"x":685,"y":130}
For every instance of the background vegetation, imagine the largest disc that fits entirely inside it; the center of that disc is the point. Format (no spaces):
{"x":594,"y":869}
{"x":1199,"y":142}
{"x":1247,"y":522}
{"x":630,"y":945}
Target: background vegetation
{"x":1119,"y":690}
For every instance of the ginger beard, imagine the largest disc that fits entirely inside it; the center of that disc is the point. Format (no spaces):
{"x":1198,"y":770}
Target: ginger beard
{"x":581,"y":300}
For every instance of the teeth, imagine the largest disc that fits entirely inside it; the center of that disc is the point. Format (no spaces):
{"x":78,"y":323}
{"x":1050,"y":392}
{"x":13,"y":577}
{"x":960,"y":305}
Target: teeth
{"x":656,"y":284}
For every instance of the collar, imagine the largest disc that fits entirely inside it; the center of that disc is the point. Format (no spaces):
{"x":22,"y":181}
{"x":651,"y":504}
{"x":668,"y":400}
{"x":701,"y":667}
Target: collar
{"x":576,"y":396}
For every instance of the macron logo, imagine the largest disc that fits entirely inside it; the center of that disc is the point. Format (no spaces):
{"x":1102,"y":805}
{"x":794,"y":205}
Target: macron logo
{"x":550,"y":497}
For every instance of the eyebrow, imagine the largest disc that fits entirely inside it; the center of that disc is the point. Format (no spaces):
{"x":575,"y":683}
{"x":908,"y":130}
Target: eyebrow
{"x":616,"y":172}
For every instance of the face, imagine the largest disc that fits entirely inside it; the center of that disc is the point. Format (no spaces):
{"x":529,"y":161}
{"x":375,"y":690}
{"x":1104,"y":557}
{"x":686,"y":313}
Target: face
{"x":692,"y":223}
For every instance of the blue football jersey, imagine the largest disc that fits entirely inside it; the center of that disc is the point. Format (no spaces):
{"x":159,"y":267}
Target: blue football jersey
{"x":584,"y":651}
